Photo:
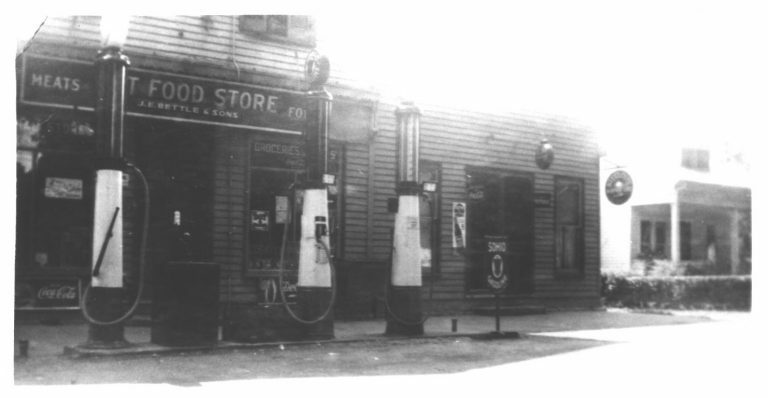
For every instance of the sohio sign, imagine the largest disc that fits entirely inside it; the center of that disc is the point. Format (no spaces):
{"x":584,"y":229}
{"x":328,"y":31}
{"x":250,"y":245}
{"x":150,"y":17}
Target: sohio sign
{"x":497,"y":278}
{"x":66,"y":84}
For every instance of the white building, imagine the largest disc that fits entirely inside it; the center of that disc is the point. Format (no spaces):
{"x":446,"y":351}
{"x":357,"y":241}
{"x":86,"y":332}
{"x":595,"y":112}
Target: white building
{"x":690,"y":209}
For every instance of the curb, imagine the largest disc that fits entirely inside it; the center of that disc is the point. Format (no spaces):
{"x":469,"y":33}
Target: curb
{"x":151,"y":349}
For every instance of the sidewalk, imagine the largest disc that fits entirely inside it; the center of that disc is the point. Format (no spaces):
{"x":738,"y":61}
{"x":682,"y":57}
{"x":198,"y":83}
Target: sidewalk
{"x":51,"y":340}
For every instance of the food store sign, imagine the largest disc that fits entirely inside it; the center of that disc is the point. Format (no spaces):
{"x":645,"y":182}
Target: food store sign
{"x":67,"y":84}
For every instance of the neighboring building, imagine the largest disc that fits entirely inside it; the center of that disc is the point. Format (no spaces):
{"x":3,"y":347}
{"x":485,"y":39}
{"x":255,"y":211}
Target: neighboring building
{"x":689,"y":213}
{"x":220,"y":175}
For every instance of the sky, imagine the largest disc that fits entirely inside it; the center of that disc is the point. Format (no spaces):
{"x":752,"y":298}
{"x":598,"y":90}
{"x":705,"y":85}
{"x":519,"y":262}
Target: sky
{"x":640,"y":74}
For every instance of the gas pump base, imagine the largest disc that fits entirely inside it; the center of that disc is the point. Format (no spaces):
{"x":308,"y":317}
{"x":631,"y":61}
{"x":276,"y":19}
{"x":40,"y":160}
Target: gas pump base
{"x":405,"y":304}
{"x":311,"y":303}
{"x":109,"y":307}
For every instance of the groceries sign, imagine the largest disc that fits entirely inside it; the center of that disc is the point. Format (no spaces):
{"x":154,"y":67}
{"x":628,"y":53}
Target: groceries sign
{"x":65,"y":83}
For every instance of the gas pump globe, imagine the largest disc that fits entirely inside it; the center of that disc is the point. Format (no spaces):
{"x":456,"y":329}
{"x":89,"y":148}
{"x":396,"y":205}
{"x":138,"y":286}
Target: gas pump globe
{"x":114,"y":30}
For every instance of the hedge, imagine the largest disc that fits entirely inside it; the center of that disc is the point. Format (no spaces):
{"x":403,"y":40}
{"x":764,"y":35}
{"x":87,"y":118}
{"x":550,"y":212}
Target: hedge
{"x":678,"y":292}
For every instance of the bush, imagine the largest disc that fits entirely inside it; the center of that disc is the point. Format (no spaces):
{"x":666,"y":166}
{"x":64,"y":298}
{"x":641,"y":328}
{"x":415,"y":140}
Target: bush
{"x":678,"y":292}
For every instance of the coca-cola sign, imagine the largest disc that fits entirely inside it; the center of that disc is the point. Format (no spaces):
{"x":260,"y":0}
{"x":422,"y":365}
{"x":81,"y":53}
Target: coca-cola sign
{"x":48,"y":293}
{"x":57,"y":292}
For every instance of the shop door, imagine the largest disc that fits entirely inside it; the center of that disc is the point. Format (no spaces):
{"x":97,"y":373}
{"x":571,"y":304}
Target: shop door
{"x":178,"y":165}
{"x":500,"y":205}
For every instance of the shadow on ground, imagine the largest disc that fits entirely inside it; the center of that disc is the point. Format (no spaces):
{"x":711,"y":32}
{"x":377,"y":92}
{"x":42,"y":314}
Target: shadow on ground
{"x":407,"y":357}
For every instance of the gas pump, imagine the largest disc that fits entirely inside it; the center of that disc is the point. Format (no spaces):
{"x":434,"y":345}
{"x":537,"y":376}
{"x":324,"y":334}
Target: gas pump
{"x":106,"y":288}
{"x":403,"y":298}
{"x":316,"y":287}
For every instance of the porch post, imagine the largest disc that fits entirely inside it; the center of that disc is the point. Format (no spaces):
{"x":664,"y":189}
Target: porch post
{"x":735,"y":242}
{"x":674,"y":220}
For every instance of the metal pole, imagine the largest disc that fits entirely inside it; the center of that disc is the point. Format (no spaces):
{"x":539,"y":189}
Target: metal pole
{"x":498,"y":319}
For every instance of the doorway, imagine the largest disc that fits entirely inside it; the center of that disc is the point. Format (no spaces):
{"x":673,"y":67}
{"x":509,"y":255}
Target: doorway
{"x":500,"y":204}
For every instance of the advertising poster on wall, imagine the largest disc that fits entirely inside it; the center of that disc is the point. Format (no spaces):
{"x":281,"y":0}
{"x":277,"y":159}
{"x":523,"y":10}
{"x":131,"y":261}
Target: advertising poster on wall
{"x":459,"y":225}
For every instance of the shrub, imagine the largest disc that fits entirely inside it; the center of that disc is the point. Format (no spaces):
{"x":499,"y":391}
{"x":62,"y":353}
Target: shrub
{"x":678,"y":292}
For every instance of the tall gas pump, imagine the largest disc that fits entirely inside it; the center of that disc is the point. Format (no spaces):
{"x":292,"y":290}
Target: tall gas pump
{"x":316,"y":290}
{"x":106,"y":287}
{"x":404,"y":296}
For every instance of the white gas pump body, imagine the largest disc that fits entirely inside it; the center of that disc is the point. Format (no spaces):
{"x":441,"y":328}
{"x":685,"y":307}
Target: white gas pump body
{"x":109,"y":194}
{"x":314,"y":266}
{"x":406,"y":260}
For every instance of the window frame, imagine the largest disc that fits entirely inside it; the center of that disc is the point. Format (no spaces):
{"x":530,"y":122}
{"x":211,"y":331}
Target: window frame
{"x":337,"y":241}
{"x":435,"y":225}
{"x":580,"y":262}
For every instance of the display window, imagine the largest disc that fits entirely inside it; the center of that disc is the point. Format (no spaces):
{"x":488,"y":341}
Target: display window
{"x":55,"y":155}
{"x":277,"y":169}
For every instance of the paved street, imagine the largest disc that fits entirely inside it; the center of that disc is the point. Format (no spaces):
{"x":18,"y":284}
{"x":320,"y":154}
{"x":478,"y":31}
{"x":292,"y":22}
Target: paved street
{"x":605,"y":353}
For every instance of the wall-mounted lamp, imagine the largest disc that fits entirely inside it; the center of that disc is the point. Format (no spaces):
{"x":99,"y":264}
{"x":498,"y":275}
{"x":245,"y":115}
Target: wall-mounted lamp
{"x":545,"y":154}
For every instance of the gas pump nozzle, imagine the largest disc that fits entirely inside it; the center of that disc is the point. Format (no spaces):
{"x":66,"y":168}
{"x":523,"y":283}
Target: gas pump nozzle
{"x":103,"y":249}
{"x":321,"y":227}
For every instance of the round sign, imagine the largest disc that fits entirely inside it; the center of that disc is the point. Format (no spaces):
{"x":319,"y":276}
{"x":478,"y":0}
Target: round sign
{"x":317,"y":69}
{"x":618,"y":187}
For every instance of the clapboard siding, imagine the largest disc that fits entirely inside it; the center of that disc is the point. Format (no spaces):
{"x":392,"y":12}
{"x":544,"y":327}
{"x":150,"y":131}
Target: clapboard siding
{"x":460,"y":139}
{"x":186,"y":38}
{"x":231,"y":165}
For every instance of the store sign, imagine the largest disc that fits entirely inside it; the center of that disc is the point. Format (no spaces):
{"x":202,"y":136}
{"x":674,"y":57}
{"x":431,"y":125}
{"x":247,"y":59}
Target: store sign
{"x":66,"y":83}
{"x":63,"y":188}
{"x":618,"y":187}
{"x":496,"y":255}
{"x":53,"y":293}
{"x":279,"y":154}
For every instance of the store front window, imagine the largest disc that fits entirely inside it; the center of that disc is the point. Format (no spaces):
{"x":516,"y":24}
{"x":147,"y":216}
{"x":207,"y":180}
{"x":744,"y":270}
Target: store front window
{"x":54,"y":193}
{"x":429,"y":213}
{"x":274,"y":211}
{"x":569,"y":227}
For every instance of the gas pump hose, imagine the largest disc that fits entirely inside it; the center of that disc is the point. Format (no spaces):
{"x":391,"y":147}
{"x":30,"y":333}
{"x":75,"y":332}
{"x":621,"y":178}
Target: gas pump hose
{"x":142,"y":262}
{"x":322,"y":244}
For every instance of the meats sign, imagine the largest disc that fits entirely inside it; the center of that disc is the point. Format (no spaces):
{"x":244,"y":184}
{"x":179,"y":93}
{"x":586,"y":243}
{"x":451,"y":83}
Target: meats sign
{"x":71,"y":84}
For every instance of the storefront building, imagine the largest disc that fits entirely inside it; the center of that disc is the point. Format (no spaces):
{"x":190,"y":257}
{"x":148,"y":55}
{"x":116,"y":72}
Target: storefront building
{"x":215,"y":109}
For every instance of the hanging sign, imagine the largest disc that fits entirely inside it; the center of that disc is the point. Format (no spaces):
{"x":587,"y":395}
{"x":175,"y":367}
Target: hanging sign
{"x":495,"y":258}
{"x":459,"y":225}
{"x":618,"y":187}
{"x":63,"y":188}
{"x":66,"y":83}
